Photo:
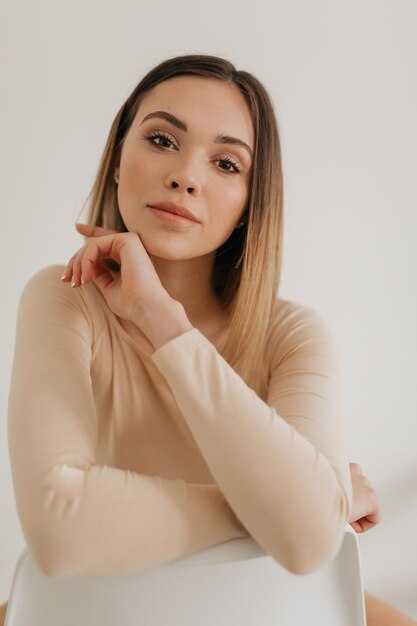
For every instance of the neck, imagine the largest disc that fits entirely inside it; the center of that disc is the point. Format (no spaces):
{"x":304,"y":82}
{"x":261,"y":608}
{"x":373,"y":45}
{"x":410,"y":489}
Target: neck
{"x":189,"y":282}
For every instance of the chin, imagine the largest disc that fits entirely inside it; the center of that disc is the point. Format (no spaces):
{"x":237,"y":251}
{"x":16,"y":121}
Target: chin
{"x":166,"y":248}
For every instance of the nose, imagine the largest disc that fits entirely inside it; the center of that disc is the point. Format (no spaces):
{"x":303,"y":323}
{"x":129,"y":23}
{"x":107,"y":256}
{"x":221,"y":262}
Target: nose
{"x":182,"y":177}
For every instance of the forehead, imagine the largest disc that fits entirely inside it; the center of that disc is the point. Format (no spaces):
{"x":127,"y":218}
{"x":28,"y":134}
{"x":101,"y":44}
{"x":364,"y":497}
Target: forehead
{"x":202,"y":103}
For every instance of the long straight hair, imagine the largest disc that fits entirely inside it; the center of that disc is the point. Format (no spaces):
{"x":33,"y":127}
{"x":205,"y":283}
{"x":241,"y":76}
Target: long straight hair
{"x":247,"y":267}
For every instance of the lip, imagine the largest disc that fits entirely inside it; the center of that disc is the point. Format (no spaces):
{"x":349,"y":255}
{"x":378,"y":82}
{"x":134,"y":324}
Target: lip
{"x":172,"y":220}
{"x":176,"y":209}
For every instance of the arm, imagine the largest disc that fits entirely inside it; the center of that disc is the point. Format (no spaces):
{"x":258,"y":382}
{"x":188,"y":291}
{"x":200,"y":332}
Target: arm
{"x":77,"y":517}
{"x":281,"y":464}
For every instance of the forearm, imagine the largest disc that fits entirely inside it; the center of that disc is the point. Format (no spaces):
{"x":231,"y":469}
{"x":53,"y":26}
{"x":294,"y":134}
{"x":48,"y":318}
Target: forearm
{"x":280,"y":461}
{"x":107,"y":521}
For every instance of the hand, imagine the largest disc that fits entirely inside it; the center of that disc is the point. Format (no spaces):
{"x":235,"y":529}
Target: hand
{"x":365,"y":513}
{"x":138,"y":284}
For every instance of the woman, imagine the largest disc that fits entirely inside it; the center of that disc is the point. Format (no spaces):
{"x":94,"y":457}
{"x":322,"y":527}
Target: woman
{"x":170,"y":394}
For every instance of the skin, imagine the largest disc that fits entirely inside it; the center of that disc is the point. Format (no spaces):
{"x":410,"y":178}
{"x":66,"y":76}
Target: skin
{"x":136,"y":295}
{"x":189,"y":169}
{"x":365,"y":512}
{"x":164,"y":287}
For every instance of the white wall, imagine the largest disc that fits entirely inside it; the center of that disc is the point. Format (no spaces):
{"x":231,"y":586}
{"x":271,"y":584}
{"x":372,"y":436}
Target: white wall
{"x":342,"y":76}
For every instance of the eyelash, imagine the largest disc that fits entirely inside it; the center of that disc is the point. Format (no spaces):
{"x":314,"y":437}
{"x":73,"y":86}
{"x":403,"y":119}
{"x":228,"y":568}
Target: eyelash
{"x":155,"y":135}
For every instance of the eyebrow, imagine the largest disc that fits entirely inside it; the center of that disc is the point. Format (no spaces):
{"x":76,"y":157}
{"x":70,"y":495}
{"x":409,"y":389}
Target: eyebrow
{"x":175,"y":121}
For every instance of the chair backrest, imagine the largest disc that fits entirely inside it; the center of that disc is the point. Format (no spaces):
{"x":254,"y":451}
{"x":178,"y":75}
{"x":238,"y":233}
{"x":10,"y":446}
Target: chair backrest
{"x":230,"y":584}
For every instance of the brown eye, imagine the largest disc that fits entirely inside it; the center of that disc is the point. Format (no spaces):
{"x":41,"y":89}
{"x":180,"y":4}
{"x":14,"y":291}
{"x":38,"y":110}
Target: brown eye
{"x":153,"y":136}
{"x":159,"y":135}
{"x":237,"y":170}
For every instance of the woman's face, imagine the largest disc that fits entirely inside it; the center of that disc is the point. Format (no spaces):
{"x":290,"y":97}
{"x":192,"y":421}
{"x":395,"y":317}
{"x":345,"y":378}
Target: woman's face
{"x":160,"y":162}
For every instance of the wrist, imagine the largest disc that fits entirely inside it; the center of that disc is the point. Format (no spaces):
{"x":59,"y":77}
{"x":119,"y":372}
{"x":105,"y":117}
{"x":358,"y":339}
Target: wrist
{"x":162,"y":320}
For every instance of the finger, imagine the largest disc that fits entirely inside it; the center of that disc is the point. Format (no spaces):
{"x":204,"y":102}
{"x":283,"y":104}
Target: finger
{"x":373,"y":511}
{"x":369,"y":521}
{"x":67,"y":275}
{"x":94,"y":231}
{"x":354,"y":469}
{"x":359,"y":526}
{"x":356,"y":527}
{"x":366,"y":524}
{"x":96,"y":249}
{"x":374,"y":518}
{"x":89,"y":263}
{"x":91,"y":266}
{"x":102,"y":277}
{"x":84,"y":229}
{"x":76,"y":269}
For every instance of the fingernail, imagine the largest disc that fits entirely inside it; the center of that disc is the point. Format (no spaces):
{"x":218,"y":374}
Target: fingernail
{"x":82,"y":279}
{"x":63,"y":276}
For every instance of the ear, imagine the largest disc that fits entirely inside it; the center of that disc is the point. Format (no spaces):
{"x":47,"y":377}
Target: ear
{"x":117,"y":171}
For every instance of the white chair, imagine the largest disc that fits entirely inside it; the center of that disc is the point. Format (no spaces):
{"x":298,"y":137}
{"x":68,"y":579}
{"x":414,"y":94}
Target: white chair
{"x":230,"y":584}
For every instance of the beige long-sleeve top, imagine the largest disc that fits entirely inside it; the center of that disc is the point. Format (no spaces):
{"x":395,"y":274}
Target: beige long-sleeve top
{"x":121,"y":460}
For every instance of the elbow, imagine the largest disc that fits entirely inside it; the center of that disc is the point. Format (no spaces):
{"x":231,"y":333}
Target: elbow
{"x":316,"y":552}
{"x":55,"y":531}
{"x":48,"y":567}
{"x":56,"y":547}
{"x":55,"y":569}
{"x":56,"y":559}
{"x":324,"y":535}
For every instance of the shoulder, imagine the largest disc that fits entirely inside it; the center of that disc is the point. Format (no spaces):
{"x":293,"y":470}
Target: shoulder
{"x":45,"y":275}
{"x":288,"y":312}
{"x":46,"y":282}
{"x":297,"y":328}
{"x":44,"y":285}
{"x":44,"y":293}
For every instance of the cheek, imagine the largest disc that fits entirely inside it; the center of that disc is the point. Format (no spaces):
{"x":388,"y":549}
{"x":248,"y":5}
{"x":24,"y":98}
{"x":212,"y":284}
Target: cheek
{"x":229,"y":202}
{"x":136,"y":188}
{"x":138,"y":171}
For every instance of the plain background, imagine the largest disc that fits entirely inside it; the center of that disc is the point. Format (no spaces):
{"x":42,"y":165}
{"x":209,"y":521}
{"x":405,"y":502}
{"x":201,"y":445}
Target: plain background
{"x":342,"y":76}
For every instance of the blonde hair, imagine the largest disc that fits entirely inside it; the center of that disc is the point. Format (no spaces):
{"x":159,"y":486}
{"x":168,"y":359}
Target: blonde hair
{"x":247,"y":267}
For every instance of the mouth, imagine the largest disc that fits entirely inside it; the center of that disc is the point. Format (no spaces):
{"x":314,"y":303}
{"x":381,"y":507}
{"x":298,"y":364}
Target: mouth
{"x":171,"y":218}
{"x":176,"y":209}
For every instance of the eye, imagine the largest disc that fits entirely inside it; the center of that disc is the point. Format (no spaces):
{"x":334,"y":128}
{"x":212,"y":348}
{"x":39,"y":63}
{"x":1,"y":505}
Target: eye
{"x":237,"y":169}
{"x":159,"y":135}
{"x":153,"y":136}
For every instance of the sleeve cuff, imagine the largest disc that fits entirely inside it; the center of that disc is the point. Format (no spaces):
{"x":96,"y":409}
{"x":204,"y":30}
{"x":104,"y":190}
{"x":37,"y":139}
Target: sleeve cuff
{"x":180,"y":347}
